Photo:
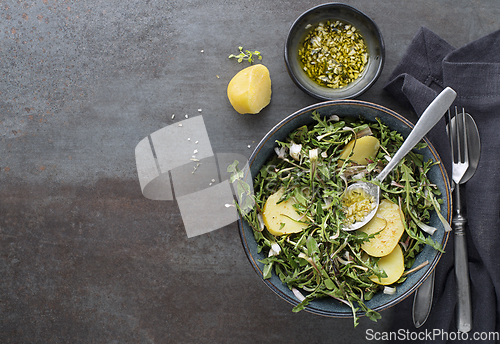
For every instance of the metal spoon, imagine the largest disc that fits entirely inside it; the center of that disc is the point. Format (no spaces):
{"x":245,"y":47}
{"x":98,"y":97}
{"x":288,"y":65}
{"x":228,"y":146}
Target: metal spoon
{"x":422,"y":301}
{"x":426,"y":122}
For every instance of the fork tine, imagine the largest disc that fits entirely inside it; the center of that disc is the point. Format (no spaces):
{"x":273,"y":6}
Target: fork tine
{"x":451,"y":129}
{"x":458,"y":136}
{"x":464,"y":135}
{"x":461,"y":137}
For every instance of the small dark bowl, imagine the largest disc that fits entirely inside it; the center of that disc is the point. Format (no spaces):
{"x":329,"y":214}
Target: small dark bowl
{"x":364,"y":25}
{"x":437,"y":175}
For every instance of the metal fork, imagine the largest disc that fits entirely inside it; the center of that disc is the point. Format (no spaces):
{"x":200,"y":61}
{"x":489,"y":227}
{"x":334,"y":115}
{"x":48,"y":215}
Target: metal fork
{"x":460,"y":163}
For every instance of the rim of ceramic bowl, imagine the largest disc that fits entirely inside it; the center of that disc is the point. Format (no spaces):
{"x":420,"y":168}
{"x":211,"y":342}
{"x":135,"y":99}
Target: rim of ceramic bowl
{"x":302,"y":117}
{"x":380,"y":56}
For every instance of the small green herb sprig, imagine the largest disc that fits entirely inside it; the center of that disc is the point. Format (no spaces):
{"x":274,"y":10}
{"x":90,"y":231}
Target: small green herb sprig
{"x":323,"y":260}
{"x":246,"y":55}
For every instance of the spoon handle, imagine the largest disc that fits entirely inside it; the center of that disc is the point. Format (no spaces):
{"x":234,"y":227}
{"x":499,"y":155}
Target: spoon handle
{"x":426,"y":122}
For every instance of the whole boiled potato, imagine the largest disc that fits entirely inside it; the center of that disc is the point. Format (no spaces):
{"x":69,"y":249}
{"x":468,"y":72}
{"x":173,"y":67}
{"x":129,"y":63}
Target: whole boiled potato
{"x":362,"y":149}
{"x":393,"y":264}
{"x":387,"y":221}
{"x":249,"y":91}
{"x":281,"y":218}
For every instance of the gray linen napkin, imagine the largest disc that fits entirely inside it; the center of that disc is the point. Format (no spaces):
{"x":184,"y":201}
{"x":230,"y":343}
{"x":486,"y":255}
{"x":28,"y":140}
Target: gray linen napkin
{"x":473,"y":71}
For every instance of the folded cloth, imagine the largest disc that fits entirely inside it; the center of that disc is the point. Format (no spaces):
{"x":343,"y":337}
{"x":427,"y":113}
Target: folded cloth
{"x":473,"y":71}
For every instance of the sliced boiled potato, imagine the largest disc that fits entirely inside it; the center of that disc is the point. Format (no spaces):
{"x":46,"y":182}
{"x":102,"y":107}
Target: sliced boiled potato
{"x":388,"y":222}
{"x":393,"y":264}
{"x":249,"y":91}
{"x":362,"y":149}
{"x":281,"y":218}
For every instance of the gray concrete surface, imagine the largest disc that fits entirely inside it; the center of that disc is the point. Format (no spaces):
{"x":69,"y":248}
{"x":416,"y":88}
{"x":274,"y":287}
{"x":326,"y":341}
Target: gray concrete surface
{"x":84,"y":257}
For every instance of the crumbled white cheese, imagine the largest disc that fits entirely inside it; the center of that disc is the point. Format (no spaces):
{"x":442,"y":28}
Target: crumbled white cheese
{"x":389,"y":290}
{"x":295,"y":150}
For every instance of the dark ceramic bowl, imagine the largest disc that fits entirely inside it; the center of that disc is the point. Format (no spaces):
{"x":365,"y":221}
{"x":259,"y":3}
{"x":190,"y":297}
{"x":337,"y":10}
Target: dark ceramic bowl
{"x":348,"y":14}
{"x":349,"y":108}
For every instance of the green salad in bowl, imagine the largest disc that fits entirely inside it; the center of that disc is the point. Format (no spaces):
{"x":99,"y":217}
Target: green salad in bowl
{"x":294,"y":231}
